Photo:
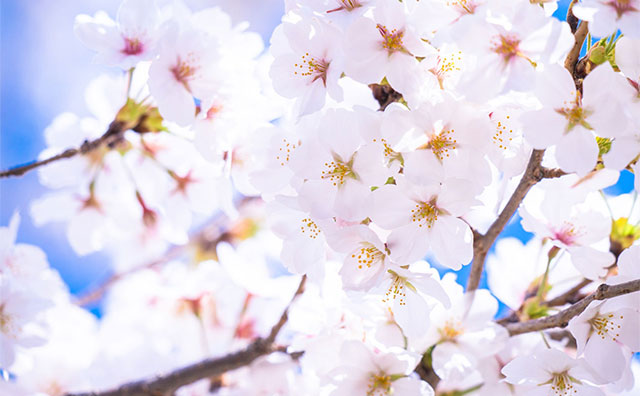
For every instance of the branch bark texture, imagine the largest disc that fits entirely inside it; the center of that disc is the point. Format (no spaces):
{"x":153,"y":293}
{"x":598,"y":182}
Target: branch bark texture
{"x":112,"y":136}
{"x":482,"y":243}
{"x":562,"y":318}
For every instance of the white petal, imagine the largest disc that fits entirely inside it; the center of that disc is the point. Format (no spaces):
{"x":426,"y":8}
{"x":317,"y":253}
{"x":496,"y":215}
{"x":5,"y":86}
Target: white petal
{"x":577,"y":151}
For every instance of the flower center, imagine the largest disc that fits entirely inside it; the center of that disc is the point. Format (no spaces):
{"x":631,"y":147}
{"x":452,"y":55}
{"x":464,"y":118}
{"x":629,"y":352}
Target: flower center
{"x":446,"y":64}
{"x":425,"y":213}
{"x":561,"y":385}
{"x":284,"y":152}
{"x":463,"y":6}
{"x":567,"y":234}
{"x":347,"y":5}
{"x":6,"y":326}
{"x":379,"y":384}
{"x":575,"y":114}
{"x":621,"y":7}
{"x":182,"y":182}
{"x":389,"y":153}
{"x":392,"y":40}
{"x":132,"y":46}
{"x":441,"y":143}
{"x":213,"y":111}
{"x":607,"y":325}
{"x":337,"y":170}
{"x":503,"y":136}
{"x":396,"y":290}
{"x":507,"y":47}
{"x":367,"y":255}
{"x":309,"y":228}
{"x":312,"y":67}
{"x":183,"y":72}
{"x":450,"y":330}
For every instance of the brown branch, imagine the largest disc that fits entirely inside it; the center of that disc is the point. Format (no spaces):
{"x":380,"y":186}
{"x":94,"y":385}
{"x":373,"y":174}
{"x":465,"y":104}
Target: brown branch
{"x":574,"y":53}
{"x":482,"y":243}
{"x":166,"y":385}
{"x":571,"y":296}
{"x":384,"y":95}
{"x":111,"y":137}
{"x":428,"y":375}
{"x":568,"y":297}
{"x":285,"y":314}
{"x":552,"y":173}
{"x":561,"y":319}
{"x":572,"y":20}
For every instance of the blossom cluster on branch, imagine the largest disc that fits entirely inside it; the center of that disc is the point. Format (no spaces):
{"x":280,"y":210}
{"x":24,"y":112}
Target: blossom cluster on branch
{"x":292,"y":221}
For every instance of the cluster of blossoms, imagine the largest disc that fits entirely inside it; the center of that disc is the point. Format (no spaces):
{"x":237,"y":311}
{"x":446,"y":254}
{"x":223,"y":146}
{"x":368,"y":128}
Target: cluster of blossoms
{"x":375,"y":199}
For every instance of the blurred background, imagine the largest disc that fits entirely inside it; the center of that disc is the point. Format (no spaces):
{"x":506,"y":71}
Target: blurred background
{"x":44,"y":70}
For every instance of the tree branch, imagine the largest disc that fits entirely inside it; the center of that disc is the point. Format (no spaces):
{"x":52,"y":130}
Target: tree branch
{"x":568,"y":297}
{"x":384,"y":95}
{"x":285,"y":314}
{"x":572,"y":20}
{"x":482,"y":243}
{"x":572,"y":58}
{"x":561,"y":319}
{"x":166,"y":385}
{"x":110,"y":138}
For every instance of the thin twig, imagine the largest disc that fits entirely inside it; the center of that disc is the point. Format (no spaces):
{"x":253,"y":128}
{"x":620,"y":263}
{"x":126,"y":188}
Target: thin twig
{"x":571,"y":296}
{"x":97,"y":293}
{"x":285,"y":314}
{"x":166,"y":385}
{"x":112,"y":136}
{"x":561,"y":319}
{"x":568,"y":297}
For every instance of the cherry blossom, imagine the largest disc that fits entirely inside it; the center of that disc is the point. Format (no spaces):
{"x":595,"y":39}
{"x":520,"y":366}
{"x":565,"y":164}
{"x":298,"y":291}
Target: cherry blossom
{"x":304,"y":209}
{"x":363,"y":371}
{"x":133,"y":38}
{"x":508,"y":54}
{"x":388,"y":42}
{"x":405,"y":291}
{"x":464,"y":333}
{"x":552,"y":372}
{"x":309,"y":63}
{"x":571,"y":118}
{"x":423,"y":219}
{"x":604,"y":331}
{"x":606,"y":17}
